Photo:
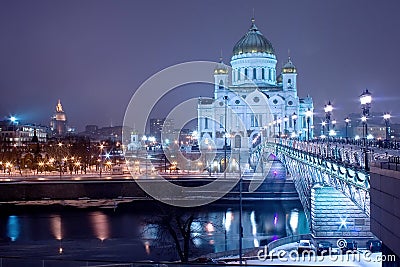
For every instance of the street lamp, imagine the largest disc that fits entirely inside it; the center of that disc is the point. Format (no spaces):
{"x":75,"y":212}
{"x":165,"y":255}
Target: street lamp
{"x":386,"y":117}
{"x":328,"y":112}
{"x":294,"y":118}
{"x":347,"y":121}
{"x":309,"y":114}
{"x":365,"y":100}
{"x":323,"y":128}
{"x":285,"y":119}
{"x":60,"y":150}
{"x":279,"y":121}
{"x":225,"y":135}
{"x":101,"y":158}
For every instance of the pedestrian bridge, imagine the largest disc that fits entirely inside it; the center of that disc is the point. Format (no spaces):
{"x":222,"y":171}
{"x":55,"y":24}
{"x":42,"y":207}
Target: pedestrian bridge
{"x":332,"y":183}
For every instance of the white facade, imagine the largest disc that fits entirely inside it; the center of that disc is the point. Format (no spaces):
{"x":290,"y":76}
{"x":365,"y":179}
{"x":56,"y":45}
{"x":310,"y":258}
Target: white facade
{"x":250,"y":101}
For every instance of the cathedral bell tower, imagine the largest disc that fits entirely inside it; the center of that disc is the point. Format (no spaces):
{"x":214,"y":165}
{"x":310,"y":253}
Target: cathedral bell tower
{"x":289,"y":74}
{"x":220,"y":79}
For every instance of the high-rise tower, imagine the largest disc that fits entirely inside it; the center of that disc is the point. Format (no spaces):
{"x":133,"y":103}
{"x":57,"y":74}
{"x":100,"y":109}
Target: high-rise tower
{"x":58,"y":122}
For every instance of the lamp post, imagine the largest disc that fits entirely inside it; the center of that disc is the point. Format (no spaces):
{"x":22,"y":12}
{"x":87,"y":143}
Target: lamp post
{"x":294,"y":118}
{"x":386,"y":117}
{"x":333,"y":132}
{"x":225,"y":135}
{"x":101,"y":158}
{"x":59,"y":146}
{"x":309,"y":114}
{"x":279,"y":121}
{"x":347,"y":121}
{"x":285,"y":119}
{"x":365,"y":100}
{"x":328,"y":112}
{"x":323,"y":128}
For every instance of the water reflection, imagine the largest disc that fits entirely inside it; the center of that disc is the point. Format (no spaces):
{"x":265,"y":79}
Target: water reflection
{"x":213,"y":230}
{"x":56,"y":227}
{"x":13,"y":228}
{"x":100,"y":225}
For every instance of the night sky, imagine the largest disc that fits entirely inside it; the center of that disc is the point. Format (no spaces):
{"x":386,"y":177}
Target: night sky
{"x":94,"y":54}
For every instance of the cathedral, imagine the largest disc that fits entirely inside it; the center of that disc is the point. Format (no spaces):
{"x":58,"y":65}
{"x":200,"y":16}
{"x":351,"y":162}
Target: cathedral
{"x":251,"y":102}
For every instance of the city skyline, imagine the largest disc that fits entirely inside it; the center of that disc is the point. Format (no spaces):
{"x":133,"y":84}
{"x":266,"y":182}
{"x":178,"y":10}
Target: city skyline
{"x":93,"y":55}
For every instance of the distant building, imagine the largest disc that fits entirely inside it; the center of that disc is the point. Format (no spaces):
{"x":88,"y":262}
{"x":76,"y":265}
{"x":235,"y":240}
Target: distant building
{"x":58,"y":123}
{"x":160,"y":125}
{"x":113,"y":133}
{"x":19,"y":135}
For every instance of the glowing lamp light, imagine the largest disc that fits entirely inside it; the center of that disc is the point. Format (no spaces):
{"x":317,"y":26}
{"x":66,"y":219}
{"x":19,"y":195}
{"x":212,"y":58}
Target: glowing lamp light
{"x":370,"y":136}
{"x":309,"y":113}
{"x":386,"y":116}
{"x":363,"y":118}
{"x":144,"y":138}
{"x":357,"y":137}
{"x":365,"y":98}
{"x":332,"y":133}
{"x":13,"y":119}
{"x":328,"y":108}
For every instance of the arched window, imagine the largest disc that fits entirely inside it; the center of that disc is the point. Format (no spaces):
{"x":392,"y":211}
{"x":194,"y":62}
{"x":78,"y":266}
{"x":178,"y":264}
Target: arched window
{"x":221,"y":84}
{"x":269,"y":74}
{"x":254,"y":74}
{"x":289,"y":81}
{"x":263,"y":73}
{"x":238,"y":75}
{"x":245,"y":73}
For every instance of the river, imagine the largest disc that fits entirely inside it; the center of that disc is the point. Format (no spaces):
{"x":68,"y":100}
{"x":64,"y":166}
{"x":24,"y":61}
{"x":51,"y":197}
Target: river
{"x":132,"y":232}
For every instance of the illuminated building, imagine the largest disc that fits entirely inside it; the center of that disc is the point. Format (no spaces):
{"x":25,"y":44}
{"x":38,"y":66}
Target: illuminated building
{"x":257,"y":102}
{"x":58,"y":123}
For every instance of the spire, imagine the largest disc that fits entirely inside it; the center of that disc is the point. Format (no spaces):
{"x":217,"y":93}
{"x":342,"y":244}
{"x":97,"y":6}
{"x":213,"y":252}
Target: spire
{"x":253,"y":25}
{"x":59,"y":106}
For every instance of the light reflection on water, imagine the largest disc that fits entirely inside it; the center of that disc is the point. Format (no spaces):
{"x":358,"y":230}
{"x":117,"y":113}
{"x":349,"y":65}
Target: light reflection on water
{"x":214,"y":230}
{"x":55,"y":226}
{"x":100,"y":225}
{"x":13,"y":227}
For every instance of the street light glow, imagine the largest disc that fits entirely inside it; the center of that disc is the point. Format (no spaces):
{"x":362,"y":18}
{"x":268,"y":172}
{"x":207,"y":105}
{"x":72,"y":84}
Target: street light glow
{"x":365,"y":98}
{"x":386,"y":116}
{"x":328,"y":107}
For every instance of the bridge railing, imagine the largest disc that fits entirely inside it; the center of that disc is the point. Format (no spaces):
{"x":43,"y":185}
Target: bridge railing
{"x":340,"y":169}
